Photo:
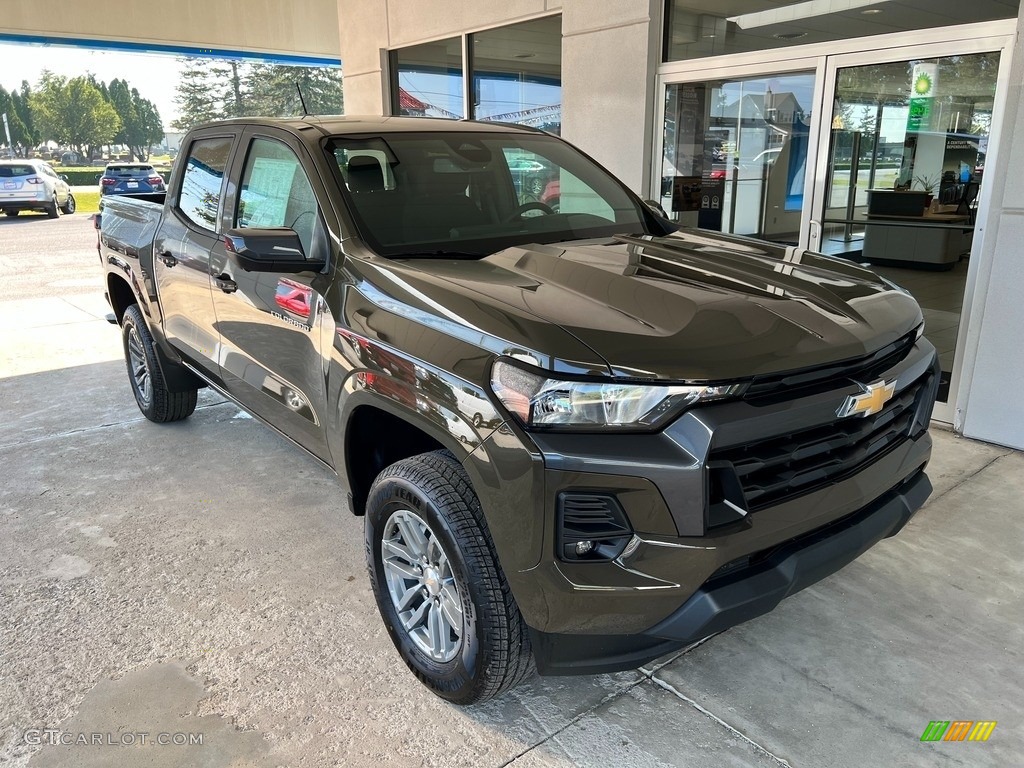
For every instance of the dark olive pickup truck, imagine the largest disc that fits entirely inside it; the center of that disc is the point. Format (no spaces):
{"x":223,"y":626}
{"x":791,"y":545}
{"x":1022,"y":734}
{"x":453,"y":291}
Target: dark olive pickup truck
{"x":581,"y":437}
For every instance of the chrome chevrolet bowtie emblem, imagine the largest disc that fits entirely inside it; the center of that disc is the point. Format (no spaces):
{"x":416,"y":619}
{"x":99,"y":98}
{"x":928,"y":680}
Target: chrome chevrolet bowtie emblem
{"x":873,"y":400}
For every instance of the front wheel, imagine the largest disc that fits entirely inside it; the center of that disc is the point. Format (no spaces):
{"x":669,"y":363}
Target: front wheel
{"x":438,"y":584}
{"x":69,"y":204}
{"x":155,"y":401}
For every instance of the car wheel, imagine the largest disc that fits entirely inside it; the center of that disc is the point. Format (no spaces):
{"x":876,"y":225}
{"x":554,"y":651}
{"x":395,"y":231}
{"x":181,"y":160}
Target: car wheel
{"x":147,"y":380}
{"x":438,"y":584}
{"x":69,"y":204}
{"x":53,"y":210}
{"x":12,"y":214}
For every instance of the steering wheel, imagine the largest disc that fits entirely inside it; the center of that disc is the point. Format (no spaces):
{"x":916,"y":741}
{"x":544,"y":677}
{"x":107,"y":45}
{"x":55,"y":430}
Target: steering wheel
{"x":526,"y":208}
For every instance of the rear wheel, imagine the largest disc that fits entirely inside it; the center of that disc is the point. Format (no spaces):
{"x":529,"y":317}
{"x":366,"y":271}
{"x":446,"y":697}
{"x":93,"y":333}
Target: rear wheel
{"x":53,"y":210}
{"x":147,"y":381}
{"x":438,"y":584}
{"x":69,"y":204}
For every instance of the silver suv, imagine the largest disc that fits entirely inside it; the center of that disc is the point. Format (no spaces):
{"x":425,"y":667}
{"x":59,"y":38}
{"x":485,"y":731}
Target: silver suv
{"x":32,"y":185}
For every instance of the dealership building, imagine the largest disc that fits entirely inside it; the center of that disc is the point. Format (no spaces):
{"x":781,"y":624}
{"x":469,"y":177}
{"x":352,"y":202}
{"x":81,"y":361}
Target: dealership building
{"x":876,"y":130}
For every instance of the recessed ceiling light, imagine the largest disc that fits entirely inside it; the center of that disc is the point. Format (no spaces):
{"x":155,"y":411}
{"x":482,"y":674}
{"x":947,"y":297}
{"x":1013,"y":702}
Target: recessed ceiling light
{"x":871,"y":11}
{"x":790,"y":35}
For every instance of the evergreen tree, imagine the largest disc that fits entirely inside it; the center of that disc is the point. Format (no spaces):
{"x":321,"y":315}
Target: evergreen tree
{"x":140,"y":122}
{"x":197,"y":96}
{"x":274,"y":91}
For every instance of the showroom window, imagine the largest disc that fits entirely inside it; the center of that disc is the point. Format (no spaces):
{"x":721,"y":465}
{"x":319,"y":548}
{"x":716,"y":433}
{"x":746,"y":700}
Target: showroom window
{"x":515,"y":76}
{"x":693,"y":30}
{"x":427,"y":80}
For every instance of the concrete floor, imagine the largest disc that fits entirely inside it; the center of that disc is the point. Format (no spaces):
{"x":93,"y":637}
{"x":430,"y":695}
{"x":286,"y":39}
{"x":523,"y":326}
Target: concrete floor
{"x":204,"y":578}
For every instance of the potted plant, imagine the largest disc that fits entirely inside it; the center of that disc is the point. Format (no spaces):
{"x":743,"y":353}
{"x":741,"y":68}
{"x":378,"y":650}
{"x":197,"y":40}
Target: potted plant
{"x":928,"y":184}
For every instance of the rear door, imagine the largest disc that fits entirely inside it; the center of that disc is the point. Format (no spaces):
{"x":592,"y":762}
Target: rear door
{"x":270,"y":323}
{"x":185,"y":243}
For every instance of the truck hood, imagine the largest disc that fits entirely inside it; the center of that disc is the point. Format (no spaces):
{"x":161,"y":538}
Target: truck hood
{"x":689,"y":306}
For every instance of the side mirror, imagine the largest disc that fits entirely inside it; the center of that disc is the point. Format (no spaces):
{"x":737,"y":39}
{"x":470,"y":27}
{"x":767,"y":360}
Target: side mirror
{"x":63,"y":177}
{"x":268,"y":249}
{"x":655,"y":206}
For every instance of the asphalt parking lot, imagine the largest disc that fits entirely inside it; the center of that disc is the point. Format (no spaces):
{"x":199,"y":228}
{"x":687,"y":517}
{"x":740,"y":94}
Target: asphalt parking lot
{"x":203,"y":581}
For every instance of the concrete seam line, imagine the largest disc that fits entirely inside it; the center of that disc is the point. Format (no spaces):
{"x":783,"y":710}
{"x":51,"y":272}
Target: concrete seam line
{"x":933,"y":499}
{"x":580,"y":716}
{"x":70,"y":432}
{"x":757,"y":747}
{"x":606,"y":27}
{"x":654,"y":668}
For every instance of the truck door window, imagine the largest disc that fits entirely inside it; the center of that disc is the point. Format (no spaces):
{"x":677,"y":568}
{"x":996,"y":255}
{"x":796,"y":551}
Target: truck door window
{"x":276,"y":192}
{"x":202,"y":180}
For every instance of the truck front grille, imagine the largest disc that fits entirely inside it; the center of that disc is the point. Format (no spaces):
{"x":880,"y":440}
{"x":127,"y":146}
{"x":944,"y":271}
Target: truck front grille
{"x":776,"y":469}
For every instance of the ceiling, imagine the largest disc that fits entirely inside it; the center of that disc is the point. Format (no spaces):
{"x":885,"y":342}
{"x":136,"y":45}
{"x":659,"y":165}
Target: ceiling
{"x":700,"y":28}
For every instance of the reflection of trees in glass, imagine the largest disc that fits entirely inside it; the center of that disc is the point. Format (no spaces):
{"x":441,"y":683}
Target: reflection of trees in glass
{"x":212,"y":89}
{"x":963,"y":82}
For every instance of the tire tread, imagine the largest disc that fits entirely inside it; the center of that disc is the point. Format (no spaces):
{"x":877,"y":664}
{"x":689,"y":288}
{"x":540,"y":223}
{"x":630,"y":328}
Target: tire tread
{"x":506,"y":640}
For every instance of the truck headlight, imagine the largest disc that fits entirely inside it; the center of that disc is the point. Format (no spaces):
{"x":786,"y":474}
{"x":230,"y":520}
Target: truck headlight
{"x":539,"y":401}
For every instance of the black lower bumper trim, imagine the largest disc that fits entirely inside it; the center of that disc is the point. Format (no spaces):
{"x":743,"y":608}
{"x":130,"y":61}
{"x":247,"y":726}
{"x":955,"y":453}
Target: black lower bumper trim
{"x":740,"y":595}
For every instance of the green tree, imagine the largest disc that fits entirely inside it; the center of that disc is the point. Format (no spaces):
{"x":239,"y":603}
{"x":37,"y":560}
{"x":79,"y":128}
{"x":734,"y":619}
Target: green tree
{"x":274,"y":92}
{"x":198,"y":93}
{"x":140,"y":122}
{"x":73,"y":113}
{"x":214,"y":89}
{"x":24,"y":109}
{"x":14,"y":124}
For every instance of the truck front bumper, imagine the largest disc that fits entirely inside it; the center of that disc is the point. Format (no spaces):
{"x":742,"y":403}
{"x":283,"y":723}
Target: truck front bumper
{"x":740,"y":595}
{"x":730,"y":509}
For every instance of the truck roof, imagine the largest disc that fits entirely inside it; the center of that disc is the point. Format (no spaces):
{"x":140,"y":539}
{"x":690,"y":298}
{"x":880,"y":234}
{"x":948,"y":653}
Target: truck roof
{"x":357,"y":124}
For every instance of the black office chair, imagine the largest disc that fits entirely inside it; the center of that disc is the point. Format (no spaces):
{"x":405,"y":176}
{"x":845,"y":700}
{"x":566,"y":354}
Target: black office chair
{"x":965,"y":206}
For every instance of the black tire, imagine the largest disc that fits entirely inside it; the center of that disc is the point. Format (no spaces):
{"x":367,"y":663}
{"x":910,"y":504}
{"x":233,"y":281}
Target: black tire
{"x":155,"y":401}
{"x":493,"y":654}
{"x":12,"y":214}
{"x":53,"y":210}
{"x":69,"y":205}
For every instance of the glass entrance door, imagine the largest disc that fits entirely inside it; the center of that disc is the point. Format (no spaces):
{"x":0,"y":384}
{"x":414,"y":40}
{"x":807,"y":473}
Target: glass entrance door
{"x":735,"y":154}
{"x":905,"y":174}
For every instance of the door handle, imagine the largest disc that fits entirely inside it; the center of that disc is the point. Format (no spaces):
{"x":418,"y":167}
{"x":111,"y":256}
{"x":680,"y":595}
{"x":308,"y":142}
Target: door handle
{"x":168,"y":258}
{"x":226,"y":284}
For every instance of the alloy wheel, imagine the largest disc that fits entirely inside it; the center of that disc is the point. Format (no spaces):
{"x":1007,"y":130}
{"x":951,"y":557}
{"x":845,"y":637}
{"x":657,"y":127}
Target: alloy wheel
{"x":422,"y":586}
{"x":139,"y":367}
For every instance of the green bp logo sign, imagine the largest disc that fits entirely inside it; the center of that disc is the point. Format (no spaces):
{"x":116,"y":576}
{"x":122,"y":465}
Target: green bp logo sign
{"x":922,"y":84}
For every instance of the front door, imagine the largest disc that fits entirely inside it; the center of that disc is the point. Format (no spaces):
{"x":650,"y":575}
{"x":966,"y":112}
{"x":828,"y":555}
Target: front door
{"x":899,"y":187}
{"x":269,"y":323}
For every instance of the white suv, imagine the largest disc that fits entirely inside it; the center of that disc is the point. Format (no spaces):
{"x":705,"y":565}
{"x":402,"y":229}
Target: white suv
{"x":32,"y":185}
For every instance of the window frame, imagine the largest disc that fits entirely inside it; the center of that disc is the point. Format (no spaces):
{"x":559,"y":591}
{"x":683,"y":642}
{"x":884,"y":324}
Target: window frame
{"x":179,"y":181}
{"x":466,"y":40}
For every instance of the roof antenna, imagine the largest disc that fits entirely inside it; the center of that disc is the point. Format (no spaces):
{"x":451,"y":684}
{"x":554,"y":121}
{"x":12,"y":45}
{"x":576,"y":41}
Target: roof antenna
{"x":305,"y":112}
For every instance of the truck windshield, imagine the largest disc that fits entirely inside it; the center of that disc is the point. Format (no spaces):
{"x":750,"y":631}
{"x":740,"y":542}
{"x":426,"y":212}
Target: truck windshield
{"x":472,"y":194}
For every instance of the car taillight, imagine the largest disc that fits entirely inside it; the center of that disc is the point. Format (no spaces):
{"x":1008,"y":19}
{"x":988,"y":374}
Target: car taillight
{"x":33,"y":180}
{"x":108,"y":182}
{"x":155,"y":180}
